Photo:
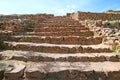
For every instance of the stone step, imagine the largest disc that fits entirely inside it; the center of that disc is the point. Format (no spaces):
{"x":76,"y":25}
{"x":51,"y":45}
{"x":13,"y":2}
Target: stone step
{"x":18,"y":70}
{"x":58,"y":29}
{"x":48,"y":57}
{"x":58,"y":40}
{"x":80,"y":33}
{"x":41,"y":25}
{"x":62,"y":21}
{"x":57,"y":48}
{"x":73,"y":71}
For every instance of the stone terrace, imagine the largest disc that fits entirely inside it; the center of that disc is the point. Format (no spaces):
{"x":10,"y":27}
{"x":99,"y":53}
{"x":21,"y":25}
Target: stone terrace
{"x":58,"y":48}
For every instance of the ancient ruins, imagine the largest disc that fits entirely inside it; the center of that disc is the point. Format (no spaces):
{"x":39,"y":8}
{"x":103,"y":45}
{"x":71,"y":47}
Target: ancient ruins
{"x":78,"y":46}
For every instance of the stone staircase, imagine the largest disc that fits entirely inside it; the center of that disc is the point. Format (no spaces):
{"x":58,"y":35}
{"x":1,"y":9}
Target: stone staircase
{"x":59,"y":48}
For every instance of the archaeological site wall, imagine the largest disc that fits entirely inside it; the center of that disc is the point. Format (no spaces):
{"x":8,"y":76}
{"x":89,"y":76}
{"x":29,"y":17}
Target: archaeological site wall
{"x":25,"y":16}
{"x":93,"y":16}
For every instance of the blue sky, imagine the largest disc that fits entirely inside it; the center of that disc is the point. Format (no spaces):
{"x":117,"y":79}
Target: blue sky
{"x":57,"y":7}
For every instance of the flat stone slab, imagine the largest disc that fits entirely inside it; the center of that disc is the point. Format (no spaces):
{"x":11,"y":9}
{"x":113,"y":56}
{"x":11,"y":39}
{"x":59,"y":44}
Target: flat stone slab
{"x":48,"y":67}
{"x":14,"y":69}
{"x":79,"y":57}
{"x":15,"y":55}
{"x":68,"y":70}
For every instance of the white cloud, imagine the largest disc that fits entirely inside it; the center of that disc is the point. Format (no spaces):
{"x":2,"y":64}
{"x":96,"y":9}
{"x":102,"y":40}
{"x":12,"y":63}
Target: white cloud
{"x":73,"y":6}
{"x":62,"y":11}
{"x":68,"y":8}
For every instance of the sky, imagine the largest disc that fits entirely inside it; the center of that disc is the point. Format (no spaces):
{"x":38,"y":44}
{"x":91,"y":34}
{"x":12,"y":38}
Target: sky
{"x":57,"y":7}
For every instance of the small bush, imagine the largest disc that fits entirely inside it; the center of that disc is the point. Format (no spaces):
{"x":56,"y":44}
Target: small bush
{"x":31,"y":24}
{"x":115,"y":48}
{"x":108,"y":23}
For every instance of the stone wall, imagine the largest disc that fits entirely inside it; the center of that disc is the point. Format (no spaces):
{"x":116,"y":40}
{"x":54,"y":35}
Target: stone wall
{"x":93,"y":16}
{"x":18,"y":23}
{"x":110,"y":33}
{"x":112,"y":11}
{"x":25,"y":16}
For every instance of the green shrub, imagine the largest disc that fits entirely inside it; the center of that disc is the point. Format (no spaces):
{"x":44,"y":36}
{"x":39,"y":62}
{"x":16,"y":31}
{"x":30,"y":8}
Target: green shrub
{"x":112,"y":23}
{"x":115,"y":48}
{"x":31,"y":24}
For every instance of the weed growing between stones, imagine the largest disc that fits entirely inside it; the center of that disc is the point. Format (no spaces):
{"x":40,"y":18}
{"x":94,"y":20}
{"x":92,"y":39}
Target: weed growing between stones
{"x":2,"y":64}
{"x":41,"y":49}
{"x":70,"y":50}
{"x":66,"y":34}
{"x":23,"y":30}
{"x":49,"y":78}
{"x":2,"y":46}
{"x":26,"y":39}
{"x":86,"y":34}
{"x":24,"y":63}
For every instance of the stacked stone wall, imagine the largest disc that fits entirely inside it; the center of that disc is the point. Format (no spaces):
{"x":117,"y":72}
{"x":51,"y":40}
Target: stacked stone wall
{"x":93,"y":16}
